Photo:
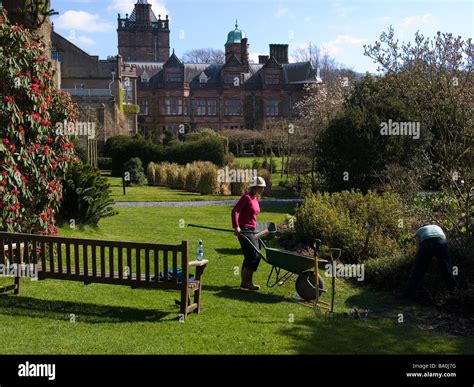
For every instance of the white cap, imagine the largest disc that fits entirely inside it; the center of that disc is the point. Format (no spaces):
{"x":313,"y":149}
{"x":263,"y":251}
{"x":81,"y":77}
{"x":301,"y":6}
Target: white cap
{"x":258,"y":182}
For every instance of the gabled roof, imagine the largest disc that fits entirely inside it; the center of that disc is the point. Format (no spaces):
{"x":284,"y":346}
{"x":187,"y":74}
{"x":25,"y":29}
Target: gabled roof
{"x":173,"y":61}
{"x":272,"y":63}
{"x":302,"y":72}
{"x":133,"y":16}
{"x":233,"y":62}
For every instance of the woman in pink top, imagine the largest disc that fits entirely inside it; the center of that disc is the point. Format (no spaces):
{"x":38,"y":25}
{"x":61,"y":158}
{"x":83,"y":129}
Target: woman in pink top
{"x":244,"y":221}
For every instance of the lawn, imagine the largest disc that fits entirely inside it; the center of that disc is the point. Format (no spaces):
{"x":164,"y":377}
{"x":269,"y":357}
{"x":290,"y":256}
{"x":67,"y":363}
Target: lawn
{"x":119,"y":320}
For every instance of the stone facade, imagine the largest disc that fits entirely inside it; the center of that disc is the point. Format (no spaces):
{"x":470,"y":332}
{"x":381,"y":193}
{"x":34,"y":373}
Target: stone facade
{"x":101,"y":87}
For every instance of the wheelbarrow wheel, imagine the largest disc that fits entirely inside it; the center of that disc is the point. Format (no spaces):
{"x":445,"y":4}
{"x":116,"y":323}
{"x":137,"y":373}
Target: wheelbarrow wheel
{"x":305,"y":285}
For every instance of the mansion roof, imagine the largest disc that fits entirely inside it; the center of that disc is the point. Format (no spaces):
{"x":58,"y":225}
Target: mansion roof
{"x":294,"y":73}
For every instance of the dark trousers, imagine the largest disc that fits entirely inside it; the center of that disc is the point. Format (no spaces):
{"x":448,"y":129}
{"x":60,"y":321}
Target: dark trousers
{"x":251,"y":257}
{"x":429,"y":248}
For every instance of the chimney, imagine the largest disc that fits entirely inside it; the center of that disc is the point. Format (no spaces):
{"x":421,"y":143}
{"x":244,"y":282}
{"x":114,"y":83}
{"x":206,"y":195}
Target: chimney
{"x":262,"y":59}
{"x":279,"y":52}
{"x":244,"y":50}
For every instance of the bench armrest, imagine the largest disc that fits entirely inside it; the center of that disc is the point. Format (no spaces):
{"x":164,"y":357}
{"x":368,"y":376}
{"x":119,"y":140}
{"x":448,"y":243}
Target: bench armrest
{"x":202,"y":263}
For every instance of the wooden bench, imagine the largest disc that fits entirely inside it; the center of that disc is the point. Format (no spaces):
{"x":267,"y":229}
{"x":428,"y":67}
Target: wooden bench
{"x":139,"y":265}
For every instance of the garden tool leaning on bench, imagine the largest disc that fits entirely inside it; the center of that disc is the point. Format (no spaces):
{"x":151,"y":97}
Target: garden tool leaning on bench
{"x":306,"y":268}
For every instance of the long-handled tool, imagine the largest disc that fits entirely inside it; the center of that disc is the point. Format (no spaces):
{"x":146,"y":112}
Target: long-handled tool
{"x":264,"y":230}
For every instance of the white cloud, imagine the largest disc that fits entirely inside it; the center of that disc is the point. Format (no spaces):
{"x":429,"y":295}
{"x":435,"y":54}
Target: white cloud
{"x":282,"y":12}
{"x":126,"y":6}
{"x":82,"y":40}
{"x":253,"y":56}
{"x":415,"y":20}
{"x":343,"y":10}
{"x":333,"y":47}
{"x":81,"y":21}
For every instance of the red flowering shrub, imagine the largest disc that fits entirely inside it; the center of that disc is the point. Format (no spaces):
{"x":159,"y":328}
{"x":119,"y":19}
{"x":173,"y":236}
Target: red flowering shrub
{"x":33,"y":158}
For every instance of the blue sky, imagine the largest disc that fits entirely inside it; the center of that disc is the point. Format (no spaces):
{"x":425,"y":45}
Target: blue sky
{"x":338,"y":27}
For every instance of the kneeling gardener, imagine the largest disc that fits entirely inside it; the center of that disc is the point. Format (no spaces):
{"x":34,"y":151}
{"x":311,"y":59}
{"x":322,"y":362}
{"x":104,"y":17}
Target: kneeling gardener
{"x":430,"y":242}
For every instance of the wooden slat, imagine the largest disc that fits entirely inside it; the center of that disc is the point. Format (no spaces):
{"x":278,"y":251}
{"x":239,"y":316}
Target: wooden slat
{"x":102,"y":261}
{"x":129,"y":262}
{"x":51,"y":256}
{"x":10,"y":252}
{"x":68,"y":258}
{"x":26,"y":252}
{"x":111,"y":262}
{"x":175,"y":266}
{"x":147,"y":265}
{"x":34,"y":251}
{"x":3,"y":258}
{"x":120,"y":263}
{"x":138,"y":261}
{"x":18,"y":252}
{"x":165,"y":265}
{"x":85,"y":255}
{"x":43,"y":256}
{"x":157,"y":266}
{"x":77,"y":267}
{"x":94,"y":260}
{"x":60,"y":257}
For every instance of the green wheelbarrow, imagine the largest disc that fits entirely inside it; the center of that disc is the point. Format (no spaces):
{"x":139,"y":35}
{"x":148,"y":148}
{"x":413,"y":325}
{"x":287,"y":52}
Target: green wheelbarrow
{"x":287,"y":264}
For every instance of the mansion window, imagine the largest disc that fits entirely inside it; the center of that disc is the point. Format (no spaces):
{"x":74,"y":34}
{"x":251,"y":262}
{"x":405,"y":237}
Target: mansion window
{"x":143,"y":103}
{"x":174,"y":107}
{"x":174,"y":78}
{"x":206,"y":107}
{"x":128,"y":91}
{"x":233,"y":107}
{"x":211,"y":107}
{"x":272,"y":79}
{"x":271,"y":108}
{"x":56,"y":55}
{"x":201,"y":107}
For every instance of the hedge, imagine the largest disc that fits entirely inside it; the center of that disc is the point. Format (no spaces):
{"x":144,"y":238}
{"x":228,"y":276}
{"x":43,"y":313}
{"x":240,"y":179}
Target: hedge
{"x":121,"y":149}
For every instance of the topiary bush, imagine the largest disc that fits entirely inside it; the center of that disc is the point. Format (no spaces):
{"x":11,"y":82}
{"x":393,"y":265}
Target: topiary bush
{"x":86,"y":196}
{"x":33,"y":156}
{"x":137,"y":175}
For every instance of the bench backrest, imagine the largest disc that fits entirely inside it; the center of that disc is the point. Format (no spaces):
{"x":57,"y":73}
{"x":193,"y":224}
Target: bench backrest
{"x":134,"y":263}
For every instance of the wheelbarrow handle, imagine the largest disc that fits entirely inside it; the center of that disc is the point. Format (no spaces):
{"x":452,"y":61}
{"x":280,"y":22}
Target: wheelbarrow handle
{"x":317,"y":245}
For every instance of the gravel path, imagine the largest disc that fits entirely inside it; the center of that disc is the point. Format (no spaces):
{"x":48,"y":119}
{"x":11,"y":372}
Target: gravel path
{"x":207,"y":203}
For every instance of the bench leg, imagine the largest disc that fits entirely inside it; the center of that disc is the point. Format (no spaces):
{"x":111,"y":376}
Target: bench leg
{"x":197,"y":293}
{"x":184,"y":301}
{"x":17,"y":285}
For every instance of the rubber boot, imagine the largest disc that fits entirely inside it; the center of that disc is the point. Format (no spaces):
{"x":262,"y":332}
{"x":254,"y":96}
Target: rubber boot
{"x":247,"y":280}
